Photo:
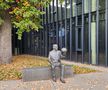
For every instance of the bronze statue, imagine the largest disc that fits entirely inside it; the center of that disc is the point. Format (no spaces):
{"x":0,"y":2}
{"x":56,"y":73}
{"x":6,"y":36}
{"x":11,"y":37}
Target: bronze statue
{"x":54,"y":58}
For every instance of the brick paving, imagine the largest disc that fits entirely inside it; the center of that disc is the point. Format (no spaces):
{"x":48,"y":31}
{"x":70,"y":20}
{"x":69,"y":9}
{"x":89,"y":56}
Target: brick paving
{"x":91,"y":81}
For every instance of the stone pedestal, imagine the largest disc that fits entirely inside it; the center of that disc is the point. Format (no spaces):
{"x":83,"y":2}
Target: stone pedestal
{"x":43,"y":73}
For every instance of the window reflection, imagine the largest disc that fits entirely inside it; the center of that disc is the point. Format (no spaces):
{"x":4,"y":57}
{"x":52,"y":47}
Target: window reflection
{"x":68,"y":8}
{"x":61,"y":35}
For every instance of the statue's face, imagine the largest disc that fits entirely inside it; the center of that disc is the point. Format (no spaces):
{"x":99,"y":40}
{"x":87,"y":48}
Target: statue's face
{"x":55,"y":47}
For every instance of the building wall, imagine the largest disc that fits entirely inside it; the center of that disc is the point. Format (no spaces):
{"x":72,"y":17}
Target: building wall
{"x":80,"y":26}
{"x":29,"y":44}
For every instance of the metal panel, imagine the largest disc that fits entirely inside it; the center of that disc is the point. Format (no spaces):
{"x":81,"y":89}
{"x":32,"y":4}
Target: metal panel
{"x":97,"y":31}
{"x":106,"y":33}
{"x":76,"y":22}
{"x":13,"y":41}
{"x":43,"y":16}
{"x":82,"y":31}
{"x":53,"y":19}
{"x":49,"y":26}
{"x":46,"y":32}
{"x":61,"y":12}
{"x":57,"y":21}
{"x":71,"y":29}
{"x":65,"y":23}
{"x":40,"y":46}
{"x":89,"y":31}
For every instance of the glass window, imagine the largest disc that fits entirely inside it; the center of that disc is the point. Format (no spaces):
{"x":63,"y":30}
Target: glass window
{"x":93,"y":19}
{"x":79,"y":1}
{"x":51,"y":11}
{"x":55,"y":10}
{"x":68,"y":8}
{"x":93,"y":5}
{"x":73,"y":7}
{"x":79,"y":38}
{"x":101,"y":4}
{"x":101,"y":16}
{"x":59,"y":10}
{"x":63,"y":10}
{"x":93,"y":42}
{"x":61,"y":35}
{"x":86,"y":39}
{"x":79,"y":9}
{"x":86,"y":4}
{"x":48,"y":13}
{"x":79,"y":20}
{"x":45,"y":16}
{"x":101,"y":42}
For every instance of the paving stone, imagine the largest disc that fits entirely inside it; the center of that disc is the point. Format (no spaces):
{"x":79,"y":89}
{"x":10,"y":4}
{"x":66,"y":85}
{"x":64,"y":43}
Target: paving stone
{"x":91,"y":81}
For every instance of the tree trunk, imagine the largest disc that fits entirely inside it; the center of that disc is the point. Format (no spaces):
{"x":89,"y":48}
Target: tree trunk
{"x":5,"y":40}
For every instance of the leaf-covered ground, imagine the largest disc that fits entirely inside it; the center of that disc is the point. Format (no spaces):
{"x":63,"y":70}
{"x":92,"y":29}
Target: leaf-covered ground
{"x":13,"y":71}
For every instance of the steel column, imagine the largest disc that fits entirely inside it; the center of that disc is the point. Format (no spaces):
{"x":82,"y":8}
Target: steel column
{"x":76,"y":22}
{"x":89,"y":31}
{"x":71,"y":29}
{"x":53,"y":17}
{"x":82,"y":31}
{"x":57,"y":22}
{"x":46,"y":32}
{"x":97,"y":32}
{"x":66,"y":23}
{"x":49,"y":26}
{"x":106,"y":33}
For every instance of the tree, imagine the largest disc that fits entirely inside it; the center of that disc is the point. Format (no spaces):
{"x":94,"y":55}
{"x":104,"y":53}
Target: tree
{"x":21,"y":14}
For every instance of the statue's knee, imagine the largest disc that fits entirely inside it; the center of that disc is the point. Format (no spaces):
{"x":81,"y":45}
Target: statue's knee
{"x":53,"y":67}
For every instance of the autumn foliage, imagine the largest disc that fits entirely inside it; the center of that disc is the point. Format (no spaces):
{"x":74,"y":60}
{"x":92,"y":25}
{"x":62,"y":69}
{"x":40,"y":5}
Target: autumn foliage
{"x":25,"y":14}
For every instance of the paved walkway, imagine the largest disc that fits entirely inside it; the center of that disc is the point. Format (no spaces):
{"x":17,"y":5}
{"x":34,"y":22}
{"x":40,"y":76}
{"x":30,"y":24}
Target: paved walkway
{"x":92,"y":81}
{"x":100,"y":68}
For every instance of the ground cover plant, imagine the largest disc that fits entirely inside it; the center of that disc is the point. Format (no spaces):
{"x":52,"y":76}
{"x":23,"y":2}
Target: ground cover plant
{"x":13,"y":70}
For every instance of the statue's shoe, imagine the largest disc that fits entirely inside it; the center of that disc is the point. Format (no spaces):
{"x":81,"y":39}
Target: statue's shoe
{"x":54,"y":79}
{"x":62,"y":80}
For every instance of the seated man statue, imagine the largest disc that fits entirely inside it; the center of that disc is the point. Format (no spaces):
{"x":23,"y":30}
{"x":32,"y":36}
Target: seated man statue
{"x":54,"y":58}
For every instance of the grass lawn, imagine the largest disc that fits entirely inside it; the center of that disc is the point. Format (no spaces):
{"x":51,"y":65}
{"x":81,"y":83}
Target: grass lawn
{"x":13,"y":71}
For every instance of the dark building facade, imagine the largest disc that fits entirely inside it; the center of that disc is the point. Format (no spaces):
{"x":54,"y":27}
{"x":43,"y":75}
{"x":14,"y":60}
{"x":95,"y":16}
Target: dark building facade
{"x":79,"y":25}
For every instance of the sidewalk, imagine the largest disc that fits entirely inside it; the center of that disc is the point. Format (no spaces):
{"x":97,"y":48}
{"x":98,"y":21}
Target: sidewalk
{"x":100,"y":68}
{"x":91,"y":81}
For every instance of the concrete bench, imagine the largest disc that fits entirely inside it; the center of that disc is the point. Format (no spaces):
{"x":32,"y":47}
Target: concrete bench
{"x":43,"y":73}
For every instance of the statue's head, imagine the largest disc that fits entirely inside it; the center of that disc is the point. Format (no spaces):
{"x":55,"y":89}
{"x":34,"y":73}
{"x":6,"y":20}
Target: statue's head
{"x":55,"y":47}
